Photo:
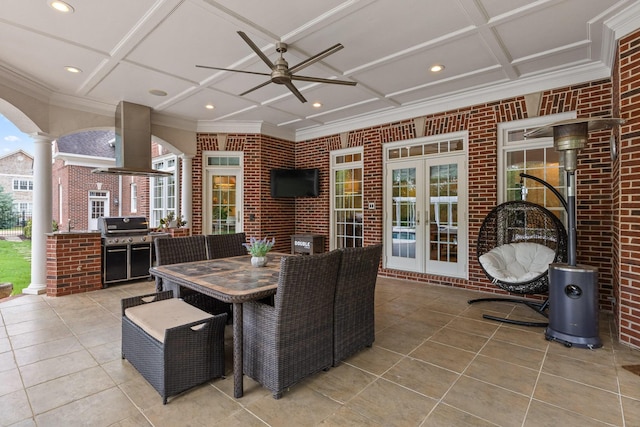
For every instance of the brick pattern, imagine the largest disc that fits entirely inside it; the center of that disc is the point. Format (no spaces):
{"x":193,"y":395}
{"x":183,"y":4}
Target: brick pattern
{"x":626,"y":172}
{"x":73,"y":263}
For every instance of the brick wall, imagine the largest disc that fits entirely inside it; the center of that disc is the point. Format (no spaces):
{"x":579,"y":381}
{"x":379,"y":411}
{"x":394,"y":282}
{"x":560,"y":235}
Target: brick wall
{"x":626,"y":175}
{"x":73,"y":263}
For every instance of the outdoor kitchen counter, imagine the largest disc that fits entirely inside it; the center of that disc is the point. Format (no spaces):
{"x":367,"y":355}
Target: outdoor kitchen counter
{"x":73,"y":262}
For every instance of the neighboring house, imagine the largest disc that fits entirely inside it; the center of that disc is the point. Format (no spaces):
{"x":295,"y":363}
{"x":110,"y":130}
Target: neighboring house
{"x":16,"y":178}
{"x":80,"y":197}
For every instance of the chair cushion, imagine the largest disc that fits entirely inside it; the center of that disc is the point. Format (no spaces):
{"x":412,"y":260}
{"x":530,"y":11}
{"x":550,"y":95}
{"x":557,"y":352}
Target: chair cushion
{"x":517,"y":262}
{"x":156,"y":317}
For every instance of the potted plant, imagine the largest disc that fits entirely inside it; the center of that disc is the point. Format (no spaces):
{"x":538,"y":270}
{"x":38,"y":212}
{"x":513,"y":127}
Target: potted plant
{"x":258,"y":248}
{"x":170,"y":221}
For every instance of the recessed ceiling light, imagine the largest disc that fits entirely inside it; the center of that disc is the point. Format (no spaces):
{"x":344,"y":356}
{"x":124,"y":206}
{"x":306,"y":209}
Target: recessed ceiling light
{"x":72,"y":69}
{"x":437,"y":68}
{"x":317,"y":105}
{"x":61,"y":6}
{"x":157,"y":92}
{"x":209,"y":106}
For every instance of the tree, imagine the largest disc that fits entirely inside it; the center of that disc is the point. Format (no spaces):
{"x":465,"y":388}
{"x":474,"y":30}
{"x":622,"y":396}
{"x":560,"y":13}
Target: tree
{"x":6,"y":209}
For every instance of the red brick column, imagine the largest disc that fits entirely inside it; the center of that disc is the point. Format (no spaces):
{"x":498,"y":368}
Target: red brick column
{"x":73,"y":263}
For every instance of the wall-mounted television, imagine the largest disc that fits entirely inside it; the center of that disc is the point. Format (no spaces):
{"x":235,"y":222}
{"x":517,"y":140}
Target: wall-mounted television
{"x":295,"y":183}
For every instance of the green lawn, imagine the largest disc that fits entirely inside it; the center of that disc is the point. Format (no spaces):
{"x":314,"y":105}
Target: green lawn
{"x":15,"y":264}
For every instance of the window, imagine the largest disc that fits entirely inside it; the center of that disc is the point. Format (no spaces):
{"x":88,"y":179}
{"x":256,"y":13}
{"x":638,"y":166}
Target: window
{"x":347,"y":199}
{"x":22,"y":184}
{"x":134,"y":197}
{"x":536,"y":157}
{"x":163,"y":191}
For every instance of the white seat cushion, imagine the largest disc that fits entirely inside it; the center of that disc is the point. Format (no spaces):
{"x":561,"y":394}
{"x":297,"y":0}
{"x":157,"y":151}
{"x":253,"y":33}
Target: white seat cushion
{"x":517,"y":262}
{"x":156,"y":317}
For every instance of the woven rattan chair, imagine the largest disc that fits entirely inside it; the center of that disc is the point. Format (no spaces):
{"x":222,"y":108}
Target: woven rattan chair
{"x":186,"y":354}
{"x":353,"y":315}
{"x":174,"y":250}
{"x":226,"y":245}
{"x":506,"y":227}
{"x":293,"y":339}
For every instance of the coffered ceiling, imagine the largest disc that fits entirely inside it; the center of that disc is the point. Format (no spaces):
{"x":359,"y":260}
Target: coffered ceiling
{"x":490,"y":49}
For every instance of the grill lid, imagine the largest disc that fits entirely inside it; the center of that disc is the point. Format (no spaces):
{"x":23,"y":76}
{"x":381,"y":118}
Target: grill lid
{"x":109,"y":226}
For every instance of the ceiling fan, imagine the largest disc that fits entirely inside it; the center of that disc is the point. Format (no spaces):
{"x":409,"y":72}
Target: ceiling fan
{"x":280,"y":71}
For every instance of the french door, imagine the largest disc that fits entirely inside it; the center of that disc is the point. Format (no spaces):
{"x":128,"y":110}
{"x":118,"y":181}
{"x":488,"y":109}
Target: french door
{"x":425,"y":221}
{"x":223,"y":194}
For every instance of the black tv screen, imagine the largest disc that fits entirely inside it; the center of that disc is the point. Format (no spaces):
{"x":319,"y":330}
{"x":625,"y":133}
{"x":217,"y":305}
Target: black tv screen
{"x":294,"y":183}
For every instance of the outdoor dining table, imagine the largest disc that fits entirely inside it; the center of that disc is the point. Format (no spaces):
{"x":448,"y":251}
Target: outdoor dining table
{"x":232,"y":280}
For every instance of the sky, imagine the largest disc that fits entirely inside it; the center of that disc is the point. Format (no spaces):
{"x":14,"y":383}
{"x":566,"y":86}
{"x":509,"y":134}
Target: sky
{"x":11,"y":139}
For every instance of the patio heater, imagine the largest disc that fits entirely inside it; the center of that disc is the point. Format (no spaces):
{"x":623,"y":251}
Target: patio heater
{"x":573,"y":288}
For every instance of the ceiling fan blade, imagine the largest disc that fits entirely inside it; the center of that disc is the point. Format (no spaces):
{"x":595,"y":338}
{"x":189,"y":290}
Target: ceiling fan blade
{"x":295,"y":91}
{"x":235,"y":71}
{"x":316,"y":58}
{"x":320,"y":80}
{"x":256,"y":49}
{"x":254,"y":88}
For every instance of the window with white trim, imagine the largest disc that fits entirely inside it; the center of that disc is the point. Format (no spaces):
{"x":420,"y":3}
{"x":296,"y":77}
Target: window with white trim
{"x":533,"y":156}
{"x":163,"y":191}
{"x":134,"y":197}
{"x":22,"y":184}
{"x":347,"y":199}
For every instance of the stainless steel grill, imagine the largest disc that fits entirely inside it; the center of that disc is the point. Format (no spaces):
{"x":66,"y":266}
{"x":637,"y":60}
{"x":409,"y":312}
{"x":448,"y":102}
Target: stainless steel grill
{"x":126,"y":248}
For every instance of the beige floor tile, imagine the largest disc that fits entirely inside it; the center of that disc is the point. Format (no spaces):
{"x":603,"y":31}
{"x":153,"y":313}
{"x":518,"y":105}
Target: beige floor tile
{"x":483,"y":328}
{"x":631,"y":408}
{"x":445,"y":356}
{"x":572,"y":396}
{"x":299,"y":406}
{"x":422,"y":377}
{"x":593,"y":374}
{"x":629,"y":383}
{"x":545,"y":415}
{"x":503,"y":374}
{"x":340,"y":383}
{"x":47,"y":350}
{"x":375,"y":359}
{"x":523,"y":356}
{"x":345,"y":417}
{"x":445,"y":415}
{"x":529,"y":337}
{"x":200,"y":406}
{"x":5,"y":344}
{"x":64,"y":390}
{"x":388,"y":404}
{"x":459,"y":339}
{"x":10,"y":381}
{"x":14,"y":407}
{"x":7,"y":361}
{"x":488,"y":402}
{"x":101,"y":409}
{"x":52,"y":333}
{"x":56,"y":367}
{"x":51,"y":320}
{"x":398,"y":340}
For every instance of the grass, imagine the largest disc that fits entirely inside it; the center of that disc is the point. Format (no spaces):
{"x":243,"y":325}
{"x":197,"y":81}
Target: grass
{"x":15,"y":264}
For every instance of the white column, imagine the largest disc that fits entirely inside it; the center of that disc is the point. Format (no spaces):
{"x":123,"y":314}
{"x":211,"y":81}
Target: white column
{"x":41,"y":219}
{"x":187,"y":184}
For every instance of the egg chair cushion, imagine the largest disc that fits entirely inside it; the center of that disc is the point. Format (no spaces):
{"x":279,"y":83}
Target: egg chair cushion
{"x":517,"y":262}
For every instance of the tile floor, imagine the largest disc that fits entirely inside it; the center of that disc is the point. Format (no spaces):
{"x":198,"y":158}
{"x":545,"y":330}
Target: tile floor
{"x":435,"y":362}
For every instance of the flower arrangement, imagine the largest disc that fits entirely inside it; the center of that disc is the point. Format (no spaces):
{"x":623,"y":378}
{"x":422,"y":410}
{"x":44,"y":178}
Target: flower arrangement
{"x":259,"y":247}
{"x":170,"y":221}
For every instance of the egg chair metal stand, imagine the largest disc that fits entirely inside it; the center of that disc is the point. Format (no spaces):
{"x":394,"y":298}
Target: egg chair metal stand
{"x":515,"y":222}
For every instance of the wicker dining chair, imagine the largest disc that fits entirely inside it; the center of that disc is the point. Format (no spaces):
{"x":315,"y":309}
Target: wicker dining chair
{"x":174,"y":250}
{"x":225,"y":245}
{"x":293,"y":338}
{"x":353,"y":316}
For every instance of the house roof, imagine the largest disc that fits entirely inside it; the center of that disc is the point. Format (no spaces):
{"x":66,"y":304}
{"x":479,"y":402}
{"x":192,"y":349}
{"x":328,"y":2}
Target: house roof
{"x":94,"y":143}
{"x":13,"y":153}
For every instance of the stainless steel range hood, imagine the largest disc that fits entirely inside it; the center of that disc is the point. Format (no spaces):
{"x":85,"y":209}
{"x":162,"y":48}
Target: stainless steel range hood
{"x":133,"y":142}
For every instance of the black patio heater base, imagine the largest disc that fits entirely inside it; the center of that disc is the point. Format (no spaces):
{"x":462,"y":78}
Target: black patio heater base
{"x":573,"y":313}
